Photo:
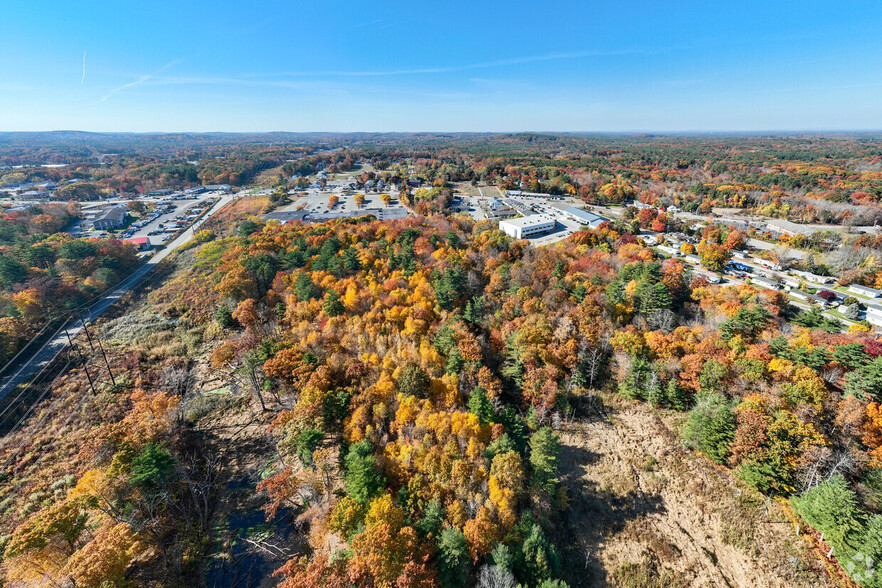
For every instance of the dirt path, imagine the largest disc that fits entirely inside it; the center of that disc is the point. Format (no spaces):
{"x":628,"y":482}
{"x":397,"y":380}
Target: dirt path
{"x":645,"y":512}
{"x":249,"y":548}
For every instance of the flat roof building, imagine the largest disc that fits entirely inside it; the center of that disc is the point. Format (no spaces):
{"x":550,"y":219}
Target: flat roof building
{"x":527,"y":226}
{"x":585,"y":217}
{"x":34,"y":195}
{"x":810,"y":298}
{"x":160,"y":192}
{"x":874,"y":314}
{"x":668,"y":250}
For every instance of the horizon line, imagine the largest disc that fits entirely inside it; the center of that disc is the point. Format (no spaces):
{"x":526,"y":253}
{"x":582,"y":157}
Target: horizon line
{"x":471,"y":132}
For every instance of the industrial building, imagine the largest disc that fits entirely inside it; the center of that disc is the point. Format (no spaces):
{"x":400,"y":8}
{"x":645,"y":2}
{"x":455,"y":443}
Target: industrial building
{"x":585,"y":217}
{"x":528,"y":226}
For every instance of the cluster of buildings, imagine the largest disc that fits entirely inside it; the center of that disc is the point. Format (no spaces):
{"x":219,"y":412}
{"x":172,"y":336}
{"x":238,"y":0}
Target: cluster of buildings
{"x":527,"y":227}
{"x":33,"y":190}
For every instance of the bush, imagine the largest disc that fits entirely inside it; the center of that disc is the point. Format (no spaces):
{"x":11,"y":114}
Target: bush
{"x":224,"y":317}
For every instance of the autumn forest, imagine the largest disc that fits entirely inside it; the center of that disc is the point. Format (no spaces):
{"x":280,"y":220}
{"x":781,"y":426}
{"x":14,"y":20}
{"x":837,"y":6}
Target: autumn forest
{"x":428,"y":401}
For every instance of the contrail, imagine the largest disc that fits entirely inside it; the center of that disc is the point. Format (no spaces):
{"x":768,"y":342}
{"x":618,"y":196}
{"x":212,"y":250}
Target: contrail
{"x":139,"y":81}
{"x":84,"y":69}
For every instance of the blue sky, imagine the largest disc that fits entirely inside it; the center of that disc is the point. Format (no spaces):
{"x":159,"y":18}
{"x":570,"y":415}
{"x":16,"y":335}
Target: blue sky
{"x":336,"y":65}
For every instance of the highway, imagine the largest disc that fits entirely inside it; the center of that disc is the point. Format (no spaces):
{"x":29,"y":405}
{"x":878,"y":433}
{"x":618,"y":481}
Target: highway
{"x":57,"y":343}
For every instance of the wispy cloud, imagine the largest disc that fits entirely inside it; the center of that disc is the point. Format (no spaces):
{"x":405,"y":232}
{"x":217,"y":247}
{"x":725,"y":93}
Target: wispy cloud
{"x":139,"y":81}
{"x":454,"y":68}
{"x":83,"y":81}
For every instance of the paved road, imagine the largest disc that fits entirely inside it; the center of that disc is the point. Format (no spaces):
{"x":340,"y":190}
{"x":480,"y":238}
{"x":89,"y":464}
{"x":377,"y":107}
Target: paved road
{"x":55,"y":345}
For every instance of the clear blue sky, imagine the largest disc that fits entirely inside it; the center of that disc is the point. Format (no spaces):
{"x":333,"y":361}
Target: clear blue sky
{"x":343,"y":65}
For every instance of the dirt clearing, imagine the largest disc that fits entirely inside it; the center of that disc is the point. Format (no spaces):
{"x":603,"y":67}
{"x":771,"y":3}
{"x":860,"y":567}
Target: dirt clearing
{"x":645,"y":512}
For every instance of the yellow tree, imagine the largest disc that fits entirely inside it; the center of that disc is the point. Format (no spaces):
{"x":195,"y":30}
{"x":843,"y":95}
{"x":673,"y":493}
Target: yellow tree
{"x":105,"y":559}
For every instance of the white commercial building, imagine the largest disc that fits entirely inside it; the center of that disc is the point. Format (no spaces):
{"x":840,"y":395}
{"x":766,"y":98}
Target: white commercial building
{"x":527,"y":226}
{"x":585,"y":217}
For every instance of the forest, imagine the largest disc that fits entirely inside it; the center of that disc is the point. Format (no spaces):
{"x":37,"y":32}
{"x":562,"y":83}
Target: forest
{"x":400,"y":403}
{"x":412,"y":376}
{"x":45,"y":273}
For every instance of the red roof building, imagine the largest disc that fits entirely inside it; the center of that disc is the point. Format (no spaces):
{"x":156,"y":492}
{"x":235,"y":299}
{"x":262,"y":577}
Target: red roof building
{"x":143,"y":243}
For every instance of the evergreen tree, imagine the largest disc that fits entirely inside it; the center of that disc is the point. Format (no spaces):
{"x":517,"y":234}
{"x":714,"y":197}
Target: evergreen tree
{"x":351,"y":260}
{"x":307,"y":442}
{"x":414,"y":382}
{"x":710,"y":427}
{"x":453,"y":558}
{"x":304,"y":288}
{"x":851,"y":355}
{"x":224,"y":317}
{"x":676,"y":395}
{"x":455,"y":362}
{"x":712,"y":375}
{"x":832,"y":508}
{"x":865,"y":383}
{"x":152,"y":468}
{"x":655,"y":392}
{"x":481,"y":406}
{"x":433,"y":518}
{"x":362,"y":478}
{"x":544,"y":455}
{"x":332,"y":305}
{"x":539,"y":559}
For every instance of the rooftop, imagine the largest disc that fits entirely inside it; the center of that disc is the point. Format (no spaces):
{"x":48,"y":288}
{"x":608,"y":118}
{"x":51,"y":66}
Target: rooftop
{"x":585,"y":215}
{"x":528,"y":221}
{"x":113,"y":213}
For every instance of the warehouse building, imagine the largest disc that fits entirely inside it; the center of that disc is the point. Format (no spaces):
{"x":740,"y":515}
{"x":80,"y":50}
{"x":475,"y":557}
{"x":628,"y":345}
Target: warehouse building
{"x":584,"y":217}
{"x":528,"y":226}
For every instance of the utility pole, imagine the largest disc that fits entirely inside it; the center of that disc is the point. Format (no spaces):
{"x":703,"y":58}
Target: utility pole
{"x":101,"y":348}
{"x":82,"y":361}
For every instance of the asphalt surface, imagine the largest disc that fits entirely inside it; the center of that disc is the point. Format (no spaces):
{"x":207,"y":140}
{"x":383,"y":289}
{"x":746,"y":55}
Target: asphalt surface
{"x":56,"y":345}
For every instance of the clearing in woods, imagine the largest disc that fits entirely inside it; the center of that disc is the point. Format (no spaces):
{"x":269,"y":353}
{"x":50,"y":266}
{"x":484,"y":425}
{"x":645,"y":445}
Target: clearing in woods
{"x":644,"y":512}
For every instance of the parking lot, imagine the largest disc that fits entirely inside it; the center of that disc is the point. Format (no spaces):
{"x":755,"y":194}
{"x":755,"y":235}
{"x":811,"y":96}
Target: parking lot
{"x":317,"y":205}
{"x":165,"y":217}
{"x":478,"y":208}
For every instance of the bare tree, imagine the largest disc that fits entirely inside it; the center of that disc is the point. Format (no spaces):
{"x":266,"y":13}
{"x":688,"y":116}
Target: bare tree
{"x":495,"y":577}
{"x":177,"y":380}
{"x":824,"y":463}
{"x":662,"y":319}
